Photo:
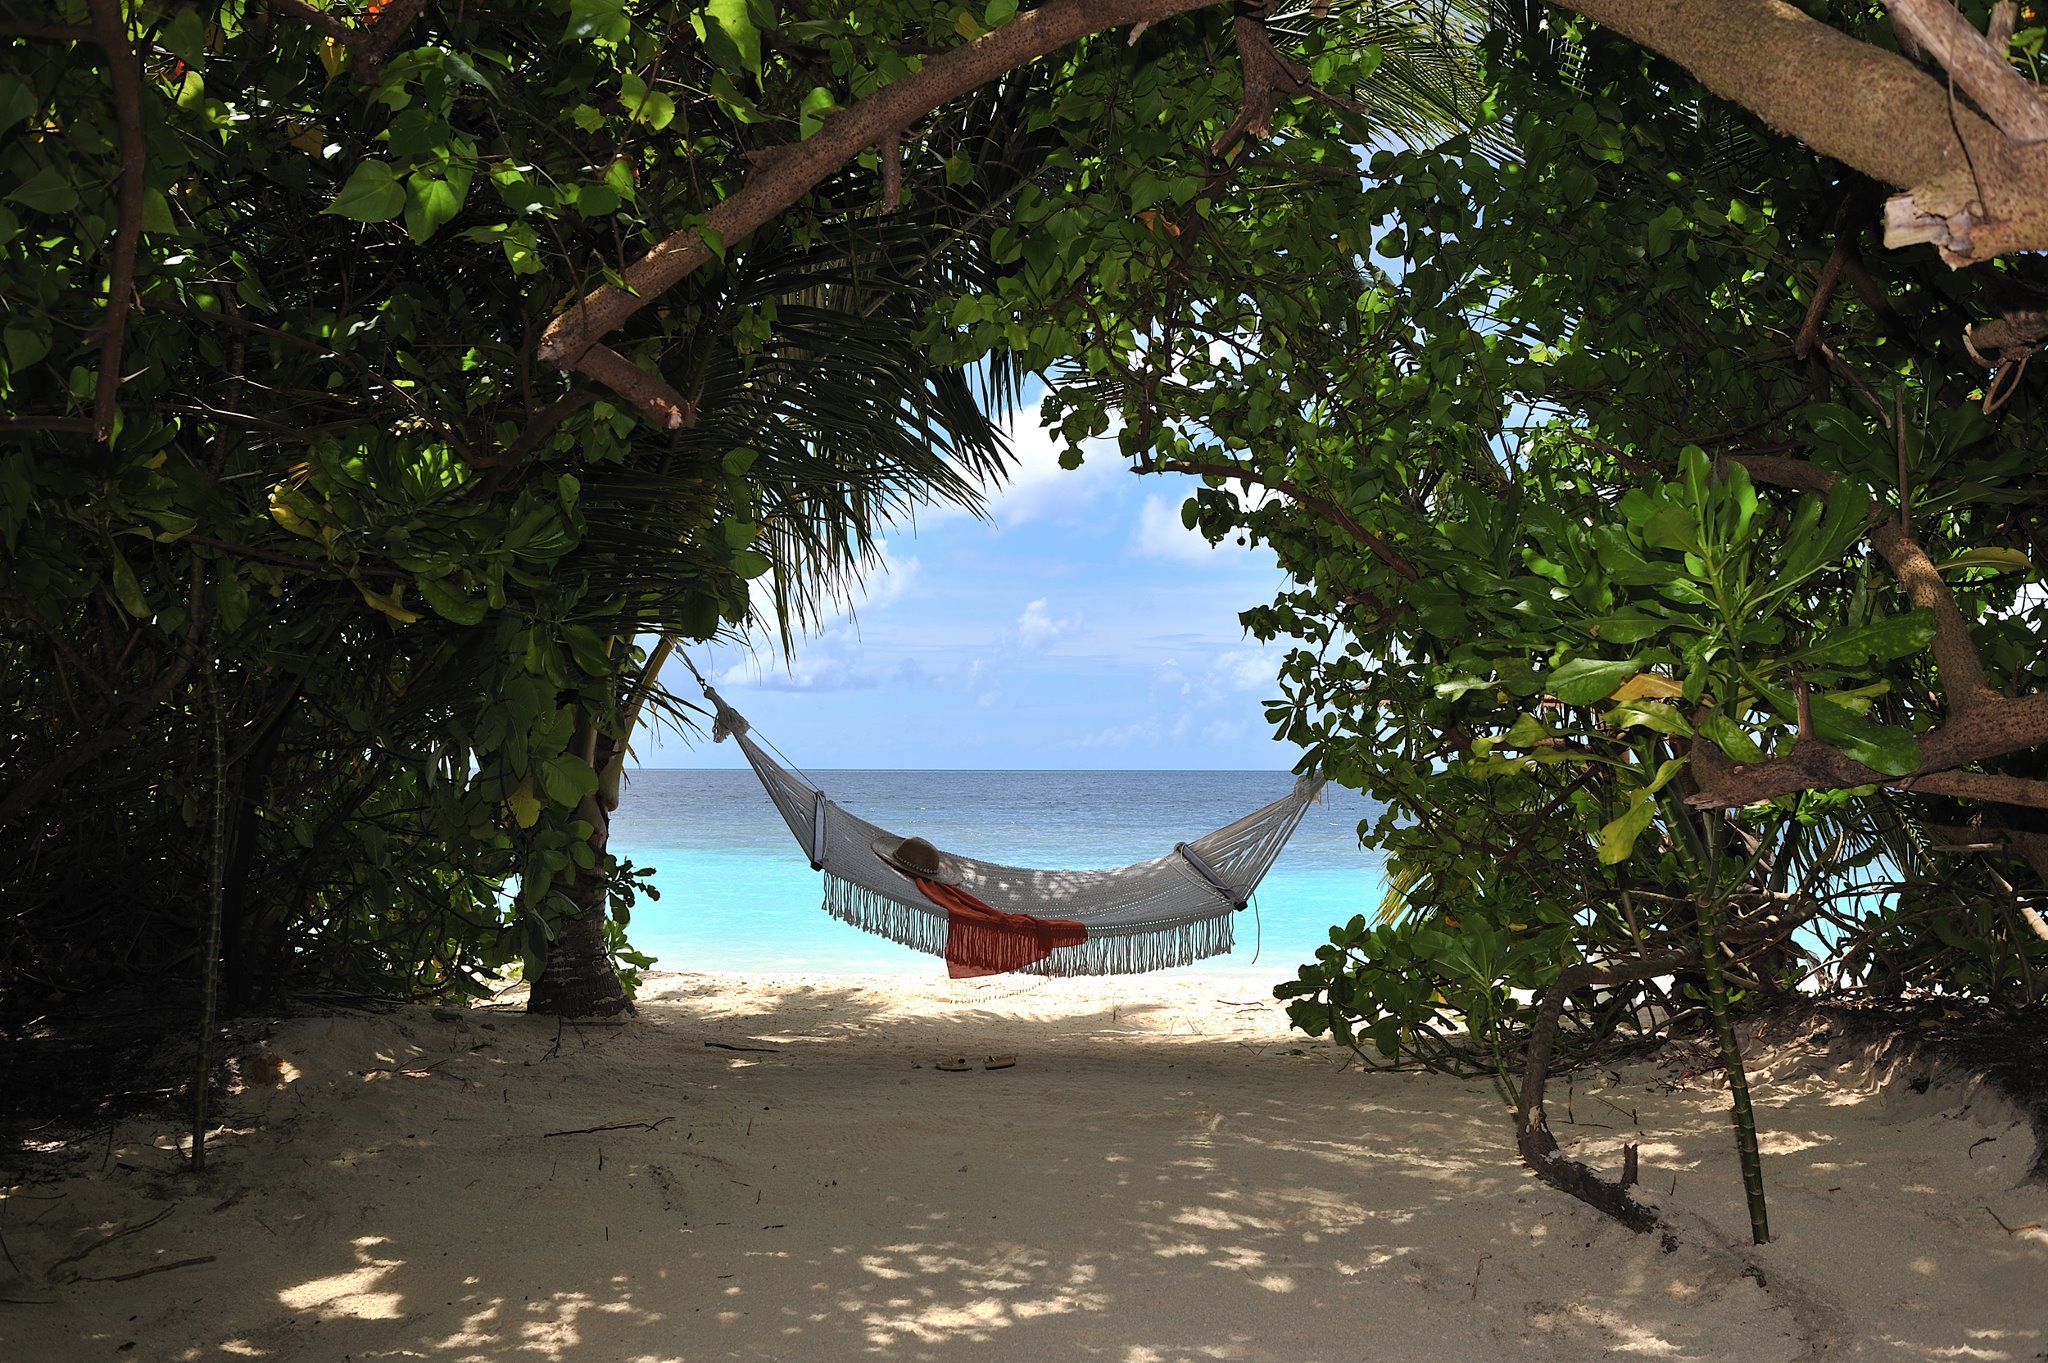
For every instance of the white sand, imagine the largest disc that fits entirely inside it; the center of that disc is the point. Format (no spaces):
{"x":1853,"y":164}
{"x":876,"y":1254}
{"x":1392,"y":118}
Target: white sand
{"x":1165,"y":1175}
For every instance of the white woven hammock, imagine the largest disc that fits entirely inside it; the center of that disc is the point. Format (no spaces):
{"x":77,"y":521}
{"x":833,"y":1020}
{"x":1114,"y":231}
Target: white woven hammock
{"x":1169,"y":911}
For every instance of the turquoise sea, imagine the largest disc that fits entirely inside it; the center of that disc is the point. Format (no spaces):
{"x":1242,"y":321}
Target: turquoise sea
{"x":737,"y":894}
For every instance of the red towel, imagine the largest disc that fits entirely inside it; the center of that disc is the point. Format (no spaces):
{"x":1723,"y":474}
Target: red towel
{"x":985,"y":941}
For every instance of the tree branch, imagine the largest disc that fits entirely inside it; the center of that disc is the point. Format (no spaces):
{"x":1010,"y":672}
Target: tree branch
{"x":792,"y":171}
{"x":1980,"y":725}
{"x":1980,"y":70}
{"x":1538,"y":1147}
{"x":1268,"y":79}
{"x":1972,"y":190}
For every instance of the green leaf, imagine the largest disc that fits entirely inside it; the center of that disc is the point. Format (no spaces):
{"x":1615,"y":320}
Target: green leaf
{"x":1666,"y":769}
{"x":1896,"y":636}
{"x":1583,"y":681}
{"x":1732,"y":739}
{"x":448,"y":602}
{"x":1995,"y":559}
{"x":17,"y":101}
{"x":732,"y":18}
{"x":603,"y":21}
{"x":1663,"y":719}
{"x":24,"y":347}
{"x":372,"y":194}
{"x":1881,"y":747}
{"x":429,"y":202}
{"x":127,"y":590}
{"x":185,"y":38}
{"x":156,"y":212}
{"x":524,"y":805}
{"x":750,"y":564}
{"x":643,"y":105}
{"x":1618,"y":836}
{"x":46,"y":191}
{"x":816,"y":105}
{"x":567,"y":779}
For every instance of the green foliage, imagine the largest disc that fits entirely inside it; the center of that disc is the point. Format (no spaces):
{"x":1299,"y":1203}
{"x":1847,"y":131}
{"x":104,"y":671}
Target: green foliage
{"x":419,"y":570}
{"x":1508,"y":381}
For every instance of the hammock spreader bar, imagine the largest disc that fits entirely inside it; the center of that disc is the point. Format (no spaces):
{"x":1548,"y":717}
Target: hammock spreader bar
{"x":1172,"y":910}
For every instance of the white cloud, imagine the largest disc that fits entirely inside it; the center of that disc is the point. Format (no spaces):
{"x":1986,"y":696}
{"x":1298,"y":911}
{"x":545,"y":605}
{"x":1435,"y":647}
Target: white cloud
{"x":829,"y":658}
{"x":1037,"y":488}
{"x":1160,"y":534}
{"x":1248,"y":669}
{"x":1139,"y":733}
{"x":1036,"y":627}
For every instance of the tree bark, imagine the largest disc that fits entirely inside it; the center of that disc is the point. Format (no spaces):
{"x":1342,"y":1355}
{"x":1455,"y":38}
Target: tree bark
{"x":579,"y":979}
{"x":1538,"y":1147}
{"x":1973,"y":191}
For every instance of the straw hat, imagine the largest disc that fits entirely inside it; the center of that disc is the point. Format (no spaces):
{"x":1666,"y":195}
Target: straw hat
{"x":914,"y":857}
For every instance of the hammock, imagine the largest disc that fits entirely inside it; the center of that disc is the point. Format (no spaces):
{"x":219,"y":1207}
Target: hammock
{"x":988,"y":918}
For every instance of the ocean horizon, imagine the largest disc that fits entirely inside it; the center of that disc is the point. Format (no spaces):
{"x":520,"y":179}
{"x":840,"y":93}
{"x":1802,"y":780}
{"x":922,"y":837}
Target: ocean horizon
{"x":739,"y":896}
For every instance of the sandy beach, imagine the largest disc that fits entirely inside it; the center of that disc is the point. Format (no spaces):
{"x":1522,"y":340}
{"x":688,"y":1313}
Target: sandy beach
{"x":773,"y":1168}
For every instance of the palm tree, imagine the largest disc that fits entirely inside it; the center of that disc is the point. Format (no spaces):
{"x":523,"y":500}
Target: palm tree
{"x":844,"y":426}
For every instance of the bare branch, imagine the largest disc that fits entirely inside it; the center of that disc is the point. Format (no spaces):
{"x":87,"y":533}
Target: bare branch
{"x":1980,"y":69}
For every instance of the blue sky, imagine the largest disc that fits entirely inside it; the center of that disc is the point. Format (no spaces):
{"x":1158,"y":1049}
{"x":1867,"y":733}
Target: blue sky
{"x":1078,"y":626}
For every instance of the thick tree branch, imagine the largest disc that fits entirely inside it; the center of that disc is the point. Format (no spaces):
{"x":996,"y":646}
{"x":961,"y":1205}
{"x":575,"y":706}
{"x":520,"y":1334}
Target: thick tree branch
{"x":1269,"y":78}
{"x":1972,"y":190}
{"x":1980,"y":69}
{"x":1980,"y":725}
{"x":791,"y":172}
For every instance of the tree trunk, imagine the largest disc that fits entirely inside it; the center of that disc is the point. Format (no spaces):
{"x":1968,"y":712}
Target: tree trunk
{"x":578,"y":979}
{"x":1740,"y":1111}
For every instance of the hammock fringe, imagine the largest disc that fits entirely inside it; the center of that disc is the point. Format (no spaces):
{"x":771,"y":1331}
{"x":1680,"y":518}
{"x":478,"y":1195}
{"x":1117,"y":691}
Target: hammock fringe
{"x":1108,"y":951}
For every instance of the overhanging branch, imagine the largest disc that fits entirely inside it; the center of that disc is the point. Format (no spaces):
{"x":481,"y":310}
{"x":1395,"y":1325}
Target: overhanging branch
{"x":788,"y":173}
{"x":1976,"y":186}
{"x":1980,"y":724}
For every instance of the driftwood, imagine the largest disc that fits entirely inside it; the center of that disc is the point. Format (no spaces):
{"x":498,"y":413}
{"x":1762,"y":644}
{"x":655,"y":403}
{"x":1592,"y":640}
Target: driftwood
{"x":153,"y":1268}
{"x":608,"y":1126}
{"x":1538,"y":1147}
{"x":51,"y":1274}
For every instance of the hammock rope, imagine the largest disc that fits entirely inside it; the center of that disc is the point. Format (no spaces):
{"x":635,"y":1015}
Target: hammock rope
{"x":1172,"y":910}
